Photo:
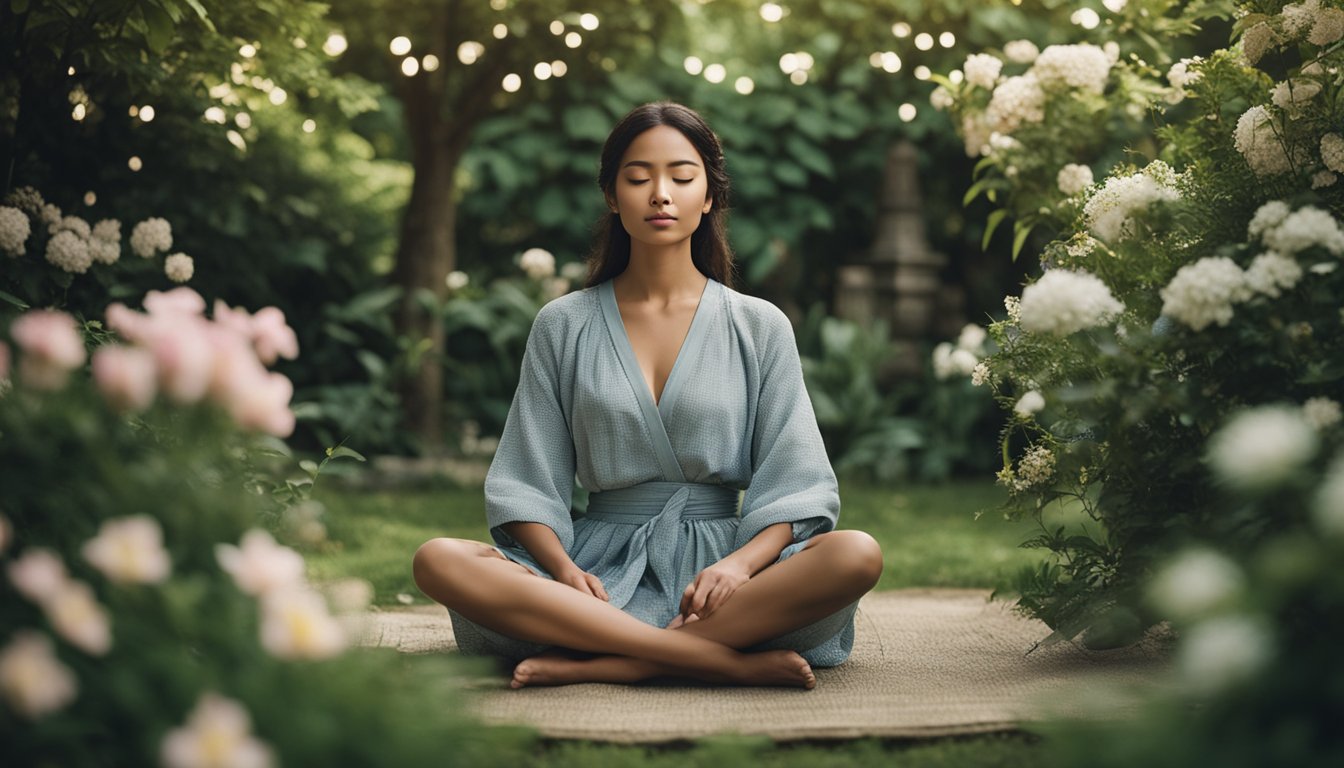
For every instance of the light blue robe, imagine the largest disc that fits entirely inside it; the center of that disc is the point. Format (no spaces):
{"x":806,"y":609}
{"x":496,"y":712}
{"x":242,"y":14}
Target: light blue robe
{"x":663,"y":479}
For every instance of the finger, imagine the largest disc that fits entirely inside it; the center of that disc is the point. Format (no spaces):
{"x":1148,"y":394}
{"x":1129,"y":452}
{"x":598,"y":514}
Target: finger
{"x":581,"y":584}
{"x":692,"y":617}
{"x":598,"y":590}
{"x":716,"y":598}
{"x":676,"y":621}
{"x":698,"y":601}
{"x":687,"y":594}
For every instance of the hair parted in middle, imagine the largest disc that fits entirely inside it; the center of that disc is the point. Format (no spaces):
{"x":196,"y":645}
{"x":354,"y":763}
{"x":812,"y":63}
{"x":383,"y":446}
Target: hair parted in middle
{"x":710,"y":251}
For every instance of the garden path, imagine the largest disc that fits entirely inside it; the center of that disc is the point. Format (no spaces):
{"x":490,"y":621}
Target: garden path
{"x":926,"y":662}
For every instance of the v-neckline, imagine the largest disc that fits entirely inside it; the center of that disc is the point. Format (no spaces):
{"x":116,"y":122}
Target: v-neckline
{"x":655,"y":413}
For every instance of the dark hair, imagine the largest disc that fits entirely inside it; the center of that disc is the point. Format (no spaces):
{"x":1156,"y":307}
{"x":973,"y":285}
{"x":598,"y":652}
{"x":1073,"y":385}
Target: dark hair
{"x":710,"y":251}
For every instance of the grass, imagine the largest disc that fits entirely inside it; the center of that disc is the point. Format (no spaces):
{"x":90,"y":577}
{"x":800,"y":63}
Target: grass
{"x":929,"y":534}
{"x":930,"y":538}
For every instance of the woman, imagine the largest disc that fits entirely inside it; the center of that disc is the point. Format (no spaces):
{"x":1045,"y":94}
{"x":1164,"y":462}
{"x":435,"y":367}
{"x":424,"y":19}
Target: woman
{"x":666,"y":391}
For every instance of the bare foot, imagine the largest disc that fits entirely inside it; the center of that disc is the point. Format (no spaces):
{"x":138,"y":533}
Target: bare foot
{"x":782,"y":668}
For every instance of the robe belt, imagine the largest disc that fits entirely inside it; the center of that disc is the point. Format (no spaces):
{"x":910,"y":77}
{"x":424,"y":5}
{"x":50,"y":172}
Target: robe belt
{"x":658,"y":507}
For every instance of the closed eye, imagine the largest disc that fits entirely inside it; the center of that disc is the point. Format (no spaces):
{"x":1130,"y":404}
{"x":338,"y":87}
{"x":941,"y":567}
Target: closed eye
{"x":637,"y":182}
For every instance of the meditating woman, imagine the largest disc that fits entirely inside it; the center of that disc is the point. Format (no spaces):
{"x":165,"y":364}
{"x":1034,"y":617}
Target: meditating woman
{"x":668,"y":392}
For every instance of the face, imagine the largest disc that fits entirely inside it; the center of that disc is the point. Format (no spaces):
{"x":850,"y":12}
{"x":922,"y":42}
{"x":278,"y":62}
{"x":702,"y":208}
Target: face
{"x":661,"y":189}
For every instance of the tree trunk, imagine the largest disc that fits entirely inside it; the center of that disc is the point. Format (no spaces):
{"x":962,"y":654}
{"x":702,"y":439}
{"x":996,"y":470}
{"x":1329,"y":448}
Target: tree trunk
{"x":425,"y":256}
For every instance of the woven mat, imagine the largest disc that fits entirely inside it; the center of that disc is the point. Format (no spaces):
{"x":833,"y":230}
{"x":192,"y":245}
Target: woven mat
{"x":925,"y":663}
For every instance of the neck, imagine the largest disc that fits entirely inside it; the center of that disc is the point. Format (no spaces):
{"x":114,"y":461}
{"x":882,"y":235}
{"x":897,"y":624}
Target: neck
{"x":660,"y":273}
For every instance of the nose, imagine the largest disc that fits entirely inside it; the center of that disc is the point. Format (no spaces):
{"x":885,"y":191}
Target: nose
{"x":660,"y":193}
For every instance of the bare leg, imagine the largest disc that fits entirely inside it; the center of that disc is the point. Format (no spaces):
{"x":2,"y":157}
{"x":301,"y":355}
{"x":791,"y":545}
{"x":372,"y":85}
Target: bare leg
{"x":474,"y":580}
{"x":834,"y":570}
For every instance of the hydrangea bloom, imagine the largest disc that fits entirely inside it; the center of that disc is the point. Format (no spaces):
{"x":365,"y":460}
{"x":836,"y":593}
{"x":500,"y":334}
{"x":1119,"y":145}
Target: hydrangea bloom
{"x":1015,"y":101}
{"x":1267,"y":217}
{"x":537,"y":263}
{"x":151,"y":236}
{"x":1321,"y":412}
{"x":129,"y":550}
{"x":39,"y":574}
{"x":975,"y":129}
{"x":1261,"y":447}
{"x":1062,"y":302}
{"x":69,"y":251}
{"x":108,"y":229}
{"x":1332,"y":152}
{"x":1323,"y":179}
{"x":1196,"y":582}
{"x":1109,"y":212}
{"x":982,"y":70}
{"x":1298,"y":18}
{"x":14,"y":230}
{"x":1021,"y":51}
{"x":1257,"y":40}
{"x":1271,"y":273}
{"x":1203,"y":293}
{"x":1307,"y":227}
{"x":218,"y":733}
{"x":71,"y":224}
{"x":27,"y":199}
{"x":1076,"y":66}
{"x":1257,"y":139}
{"x":1074,"y":178}
{"x":941,"y":98}
{"x":457,"y":280}
{"x":179,"y":267}
{"x":1292,"y":93}
{"x":1222,"y":651}
{"x":34,"y":682}
{"x":1328,"y":28}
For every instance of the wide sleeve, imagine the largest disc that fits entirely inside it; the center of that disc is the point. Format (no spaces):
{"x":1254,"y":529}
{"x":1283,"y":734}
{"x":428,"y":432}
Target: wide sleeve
{"x":792,"y":480}
{"x":531,"y":476}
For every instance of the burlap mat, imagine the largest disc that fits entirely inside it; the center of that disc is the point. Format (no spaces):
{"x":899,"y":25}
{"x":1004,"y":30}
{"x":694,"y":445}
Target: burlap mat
{"x":925,"y":663}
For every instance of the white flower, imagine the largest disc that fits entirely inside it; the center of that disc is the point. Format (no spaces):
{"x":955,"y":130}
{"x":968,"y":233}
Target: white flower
{"x":1013,"y":306}
{"x":940,"y":99}
{"x":179,"y":267}
{"x":537,"y":263}
{"x":38,"y":575}
{"x":972,"y":339}
{"x":1062,"y":302}
{"x":1082,"y":66}
{"x":1332,"y":152}
{"x":26,"y":199}
{"x":14,"y":230}
{"x":295,"y":624}
{"x":129,"y":550}
{"x":260,"y":566}
{"x":1112,"y":51}
{"x":77,"y":617}
{"x":1270,"y":273}
{"x":1257,"y":139}
{"x":1015,"y":101}
{"x":218,"y":734}
{"x":1222,"y":651}
{"x":69,"y":251}
{"x":1074,"y":178}
{"x":554,"y":287}
{"x":50,"y":214}
{"x":1261,"y":447}
{"x":71,"y":224}
{"x":1110,"y":212}
{"x":975,"y":130}
{"x":1257,"y":40}
{"x":575,"y":271}
{"x":1323,"y":179}
{"x":104,"y":251}
{"x":1298,"y":18}
{"x":1321,"y":412}
{"x":33,"y":680}
{"x":1036,"y":468}
{"x":1204,"y":292}
{"x":1307,"y":227}
{"x":457,"y":280}
{"x":981,"y":374}
{"x":1195,"y":583}
{"x":151,"y":236}
{"x":949,"y":361}
{"x":1180,"y":75}
{"x":982,"y":70}
{"x":1021,"y":51}
{"x":108,"y":229}
{"x":1267,"y":217}
{"x":1031,"y":402}
{"x":1329,"y":507}
{"x":1328,"y":28}
{"x":1291,"y":94}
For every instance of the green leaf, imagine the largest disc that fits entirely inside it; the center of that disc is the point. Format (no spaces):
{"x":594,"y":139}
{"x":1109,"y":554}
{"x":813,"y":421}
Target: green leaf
{"x":809,"y":155}
{"x":15,"y":300}
{"x":341,"y":452}
{"x":585,"y":122}
{"x":1020,"y":237}
{"x":309,"y":466}
{"x":991,"y":224}
{"x":158,"y":27}
{"x":790,"y":174}
{"x":975,"y":190}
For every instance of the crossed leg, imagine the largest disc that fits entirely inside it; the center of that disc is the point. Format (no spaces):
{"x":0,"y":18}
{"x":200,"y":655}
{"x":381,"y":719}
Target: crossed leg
{"x":474,"y":580}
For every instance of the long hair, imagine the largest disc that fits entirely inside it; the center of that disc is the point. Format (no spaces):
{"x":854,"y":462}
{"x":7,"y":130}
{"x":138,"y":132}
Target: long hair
{"x":710,"y":251}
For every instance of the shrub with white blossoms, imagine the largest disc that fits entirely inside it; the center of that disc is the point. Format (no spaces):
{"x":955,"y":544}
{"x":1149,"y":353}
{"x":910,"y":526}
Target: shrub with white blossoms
{"x":1112,"y":210}
{"x":537,"y":263}
{"x":1086,"y":67}
{"x":1062,"y":302}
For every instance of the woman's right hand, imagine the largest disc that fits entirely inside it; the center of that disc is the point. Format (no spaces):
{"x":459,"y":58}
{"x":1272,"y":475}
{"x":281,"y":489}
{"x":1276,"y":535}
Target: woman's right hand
{"x":583,"y":581}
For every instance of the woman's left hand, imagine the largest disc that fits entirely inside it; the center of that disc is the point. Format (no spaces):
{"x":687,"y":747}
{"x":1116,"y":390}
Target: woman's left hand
{"x":711,"y":588}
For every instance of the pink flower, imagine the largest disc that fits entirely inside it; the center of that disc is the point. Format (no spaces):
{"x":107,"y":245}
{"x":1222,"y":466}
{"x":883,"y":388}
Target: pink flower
{"x":235,"y":319}
{"x":77,"y":617}
{"x":265,"y":406}
{"x":261,"y":565}
{"x":32,"y":679}
{"x":272,"y":337}
{"x":237,"y":370}
{"x":131,"y":325}
{"x":126,"y":376}
{"x":129,"y":550}
{"x":178,"y":301}
{"x":38,"y":575}
{"x":184,"y":357}
{"x":52,"y":347}
{"x":218,"y":734}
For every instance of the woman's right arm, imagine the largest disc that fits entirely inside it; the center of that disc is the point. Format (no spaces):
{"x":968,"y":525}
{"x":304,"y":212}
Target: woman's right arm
{"x":544,"y":545}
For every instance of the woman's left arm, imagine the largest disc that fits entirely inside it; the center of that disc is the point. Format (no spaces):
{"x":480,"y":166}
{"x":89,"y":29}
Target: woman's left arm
{"x":719,"y":581}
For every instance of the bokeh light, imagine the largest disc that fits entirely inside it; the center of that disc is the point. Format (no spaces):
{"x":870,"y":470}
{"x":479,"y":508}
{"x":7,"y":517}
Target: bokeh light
{"x":512,"y":82}
{"x":923,"y":41}
{"x":429,"y":62}
{"x":588,"y":21}
{"x":907,"y":112}
{"x":1085,"y":18}
{"x":573,"y":39}
{"x":715,"y":73}
{"x":410,"y":66}
{"x":771,"y":12}
{"x":335,"y":44}
{"x":900,"y":29}
{"x":693,"y":65}
{"x":542,"y":71}
{"x":744,"y":85}
{"x":400,"y":45}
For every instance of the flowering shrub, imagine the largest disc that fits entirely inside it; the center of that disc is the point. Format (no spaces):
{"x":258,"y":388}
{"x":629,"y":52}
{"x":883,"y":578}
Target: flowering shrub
{"x":142,"y":605}
{"x":1177,"y":293}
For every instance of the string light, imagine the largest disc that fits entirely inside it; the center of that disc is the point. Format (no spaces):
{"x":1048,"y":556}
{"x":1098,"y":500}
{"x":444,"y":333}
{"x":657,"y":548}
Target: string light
{"x":335,"y":44}
{"x":512,"y":82}
{"x":78,"y":112}
{"x":309,"y":126}
{"x":923,"y":41}
{"x":400,"y":45}
{"x":788,"y":62}
{"x":947,"y":39}
{"x":236,"y":139}
{"x":900,"y":29}
{"x":955,"y":76}
{"x":922,"y":72}
{"x":891,"y":63}
{"x":693,"y":65}
{"x":90,"y":198}
{"x":247,"y":51}
{"x":277,"y":96}
{"x":542,"y":71}
{"x":559,"y":68}
{"x":134,"y":163}
{"x":798,"y":76}
{"x":429,"y":62}
{"x":557,"y":27}
{"x":243,"y":120}
{"x":906,"y":112}
{"x":469,"y":52}
{"x":410,"y":66}
{"x":573,"y":39}
{"x":146,"y":113}
{"x":588,"y":21}
{"x":744,"y":85}
{"x":500,"y":31}
{"x":215,"y":115}
{"x":771,"y":12}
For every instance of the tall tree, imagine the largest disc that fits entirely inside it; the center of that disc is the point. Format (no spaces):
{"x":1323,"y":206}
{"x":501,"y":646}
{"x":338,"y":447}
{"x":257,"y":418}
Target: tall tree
{"x":460,"y":62}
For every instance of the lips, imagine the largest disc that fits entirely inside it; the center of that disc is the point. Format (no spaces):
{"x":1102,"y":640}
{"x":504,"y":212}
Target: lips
{"x":661,"y":217}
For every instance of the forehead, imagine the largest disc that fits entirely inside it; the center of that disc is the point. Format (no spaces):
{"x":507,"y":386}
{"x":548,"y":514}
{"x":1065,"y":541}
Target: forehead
{"x":660,"y":145}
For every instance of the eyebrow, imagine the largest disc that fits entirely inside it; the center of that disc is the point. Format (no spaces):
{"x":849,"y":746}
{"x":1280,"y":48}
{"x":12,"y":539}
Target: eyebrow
{"x":673,"y":164}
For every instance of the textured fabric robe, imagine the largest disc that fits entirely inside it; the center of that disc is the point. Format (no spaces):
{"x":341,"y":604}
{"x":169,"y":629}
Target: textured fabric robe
{"x":664,"y":479}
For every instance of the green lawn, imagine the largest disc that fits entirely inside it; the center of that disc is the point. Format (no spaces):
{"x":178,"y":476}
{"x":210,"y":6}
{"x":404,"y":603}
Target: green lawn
{"x":929,"y":534}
